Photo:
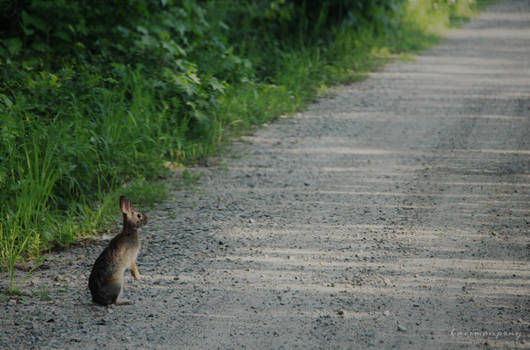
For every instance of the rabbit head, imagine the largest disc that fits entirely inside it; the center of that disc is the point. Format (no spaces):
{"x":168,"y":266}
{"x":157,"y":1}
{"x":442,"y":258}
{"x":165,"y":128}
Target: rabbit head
{"x":132,"y":219}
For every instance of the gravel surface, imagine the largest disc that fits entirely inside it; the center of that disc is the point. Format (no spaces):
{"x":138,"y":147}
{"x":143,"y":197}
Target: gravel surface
{"x":394,"y":214}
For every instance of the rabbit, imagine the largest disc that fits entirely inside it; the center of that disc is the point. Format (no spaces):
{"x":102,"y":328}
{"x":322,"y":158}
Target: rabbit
{"x":107,"y":276}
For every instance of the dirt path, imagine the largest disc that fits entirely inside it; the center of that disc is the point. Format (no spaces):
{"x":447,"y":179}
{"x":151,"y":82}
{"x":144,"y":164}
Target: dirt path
{"x":394,"y":215}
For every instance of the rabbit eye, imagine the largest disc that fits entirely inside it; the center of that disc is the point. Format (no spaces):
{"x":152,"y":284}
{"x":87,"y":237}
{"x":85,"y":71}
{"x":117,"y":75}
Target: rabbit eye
{"x":138,"y":216}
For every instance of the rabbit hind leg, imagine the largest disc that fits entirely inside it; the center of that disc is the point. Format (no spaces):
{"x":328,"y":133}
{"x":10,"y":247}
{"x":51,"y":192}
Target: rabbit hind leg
{"x":106,"y":295}
{"x":116,"y":299}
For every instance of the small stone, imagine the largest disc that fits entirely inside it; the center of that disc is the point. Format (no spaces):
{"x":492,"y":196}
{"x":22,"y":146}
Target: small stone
{"x":401,"y":328}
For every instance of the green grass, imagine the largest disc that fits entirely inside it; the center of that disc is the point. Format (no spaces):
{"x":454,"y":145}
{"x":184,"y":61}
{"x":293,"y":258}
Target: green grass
{"x":67,"y":157}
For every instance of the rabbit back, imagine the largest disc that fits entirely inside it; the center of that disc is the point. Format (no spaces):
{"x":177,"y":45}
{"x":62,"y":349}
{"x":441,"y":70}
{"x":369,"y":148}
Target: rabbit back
{"x":106,"y":279}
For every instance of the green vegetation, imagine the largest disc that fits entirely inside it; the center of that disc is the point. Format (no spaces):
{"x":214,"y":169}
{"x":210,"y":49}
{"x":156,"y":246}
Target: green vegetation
{"x":100,"y":98}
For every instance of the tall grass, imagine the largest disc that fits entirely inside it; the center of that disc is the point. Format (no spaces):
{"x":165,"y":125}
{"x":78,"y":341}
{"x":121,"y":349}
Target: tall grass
{"x":60,"y":178}
{"x":72,"y":142}
{"x":27,"y":220}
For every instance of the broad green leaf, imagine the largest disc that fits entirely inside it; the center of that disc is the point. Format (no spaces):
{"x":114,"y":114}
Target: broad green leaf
{"x":6,"y":100}
{"x":13,"y":45}
{"x":194,"y":77}
{"x":40,"y":46}
{"x":38,"y":23}
{"x":62,"y":35}
{"x":28,"y":31}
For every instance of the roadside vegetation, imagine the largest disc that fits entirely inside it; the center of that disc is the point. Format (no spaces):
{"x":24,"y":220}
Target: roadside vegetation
{"x":100,"y":98}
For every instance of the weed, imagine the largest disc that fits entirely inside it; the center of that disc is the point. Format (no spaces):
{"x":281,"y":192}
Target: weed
{"x":44,"y":295}
{"x":190,"y":179}
{"x":405,"y":57}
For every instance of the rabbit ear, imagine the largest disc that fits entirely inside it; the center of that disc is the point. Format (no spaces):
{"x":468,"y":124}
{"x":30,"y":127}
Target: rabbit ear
{"x":125,"y":206}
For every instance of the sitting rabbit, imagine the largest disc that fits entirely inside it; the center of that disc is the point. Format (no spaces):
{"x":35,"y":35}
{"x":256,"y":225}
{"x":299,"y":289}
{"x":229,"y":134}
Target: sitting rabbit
{"x":106,"y":279}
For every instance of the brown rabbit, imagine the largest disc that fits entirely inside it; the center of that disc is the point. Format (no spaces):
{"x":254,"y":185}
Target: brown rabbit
{"x":106,"y":279}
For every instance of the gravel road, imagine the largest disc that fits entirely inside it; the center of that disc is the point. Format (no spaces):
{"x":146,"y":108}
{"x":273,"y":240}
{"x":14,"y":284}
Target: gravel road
{"x":393,"y":215}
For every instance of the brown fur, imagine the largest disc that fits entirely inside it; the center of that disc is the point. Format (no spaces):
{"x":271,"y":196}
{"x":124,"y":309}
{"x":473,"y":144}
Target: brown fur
{"x":106,"y":279}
